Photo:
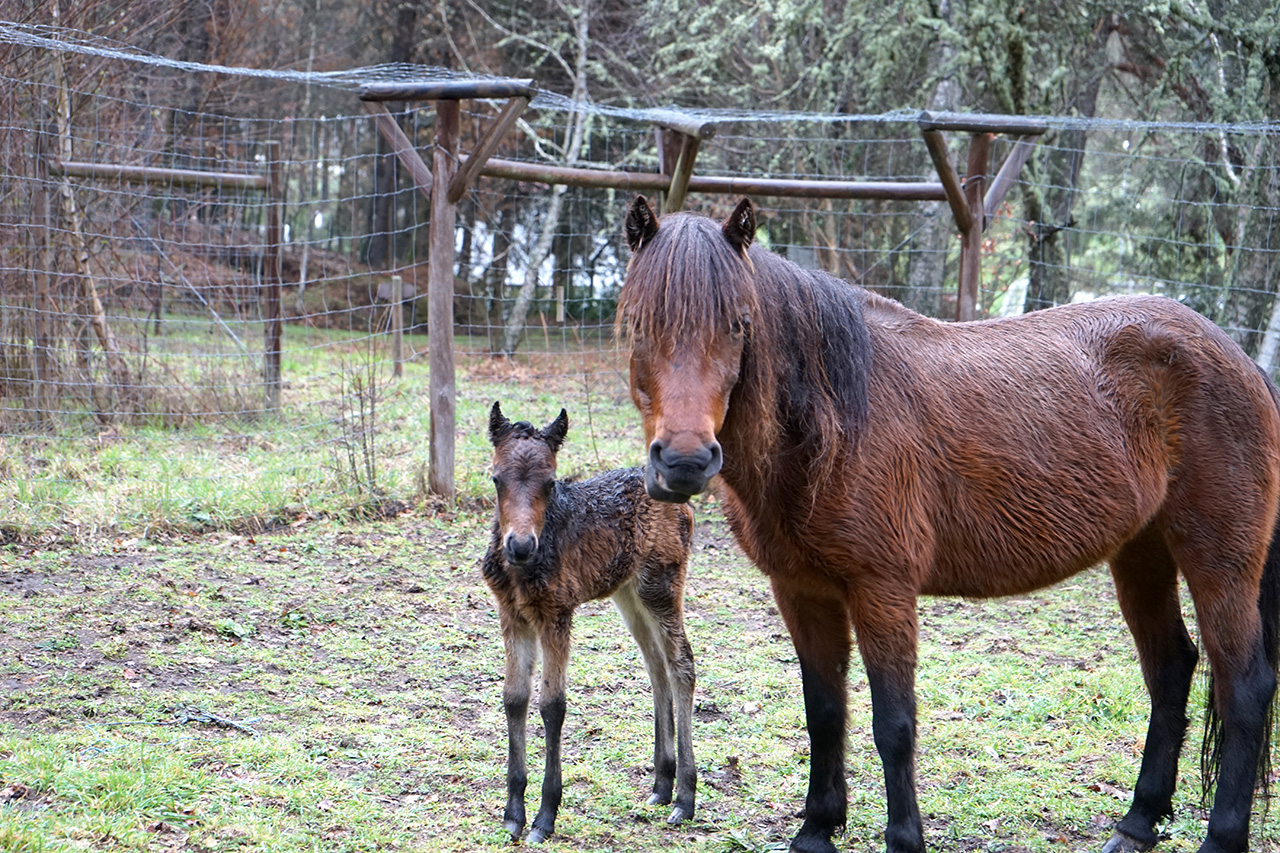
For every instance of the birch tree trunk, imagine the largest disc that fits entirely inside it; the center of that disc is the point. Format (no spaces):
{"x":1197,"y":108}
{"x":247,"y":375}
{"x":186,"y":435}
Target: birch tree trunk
{"x":542,"y":248}
{"x":119,"y":370}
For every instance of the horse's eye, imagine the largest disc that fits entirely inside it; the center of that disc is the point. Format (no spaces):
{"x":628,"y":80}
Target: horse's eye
{"x":740,"y":326}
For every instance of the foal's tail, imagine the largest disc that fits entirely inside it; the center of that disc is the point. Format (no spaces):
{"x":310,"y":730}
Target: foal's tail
{"x":1269,"y":612}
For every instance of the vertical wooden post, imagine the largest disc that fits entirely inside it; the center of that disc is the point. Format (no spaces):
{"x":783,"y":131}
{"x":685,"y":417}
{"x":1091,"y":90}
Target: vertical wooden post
{"x":440,"y":300}
{"x":397,"y":326}
{"x":273,"y":325}
{"x":971,"y":237}
{"x":43,"y":388}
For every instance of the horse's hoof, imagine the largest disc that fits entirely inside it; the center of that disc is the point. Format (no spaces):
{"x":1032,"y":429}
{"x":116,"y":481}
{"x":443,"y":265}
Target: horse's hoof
{"x":679,"y":814}
{"x":537,"y":835}
{"x":811,"y":844}
{"x":1122,"y":842}
{"x":656,"y":799}
{"x":513,"y":827}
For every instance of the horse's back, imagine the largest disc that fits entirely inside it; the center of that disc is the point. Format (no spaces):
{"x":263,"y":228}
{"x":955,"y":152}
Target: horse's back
{"x":1030,"y":448}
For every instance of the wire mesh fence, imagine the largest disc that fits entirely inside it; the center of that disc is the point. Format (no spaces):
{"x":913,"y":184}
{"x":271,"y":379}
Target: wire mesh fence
{"x":132,"y":299}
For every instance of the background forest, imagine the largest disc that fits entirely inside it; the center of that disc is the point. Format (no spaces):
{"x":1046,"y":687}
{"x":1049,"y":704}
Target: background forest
{"x":143,"y":304}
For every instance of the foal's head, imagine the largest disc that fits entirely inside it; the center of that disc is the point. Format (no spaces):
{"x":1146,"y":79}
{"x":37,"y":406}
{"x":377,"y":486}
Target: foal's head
{"x":524,"y":473}
{"x":687,"y":308}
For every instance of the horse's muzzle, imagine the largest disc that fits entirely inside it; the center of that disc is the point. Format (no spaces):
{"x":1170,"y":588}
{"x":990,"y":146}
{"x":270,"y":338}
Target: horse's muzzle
{"x":675,"y":477}
{"x":519,"y":549}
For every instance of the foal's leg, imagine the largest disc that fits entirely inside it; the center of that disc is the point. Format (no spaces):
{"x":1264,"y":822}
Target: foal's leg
{"x":1147,"y":587}
{"x":818,"y":621}
{"x":555,"y":662}
{"x":661,"y":590}
{"x":520,"y":643}
{"x":640,"y":621}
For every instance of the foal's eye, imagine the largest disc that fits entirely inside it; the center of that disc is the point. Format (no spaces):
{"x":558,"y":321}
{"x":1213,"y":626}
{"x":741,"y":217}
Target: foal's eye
{"x":740,"y":326}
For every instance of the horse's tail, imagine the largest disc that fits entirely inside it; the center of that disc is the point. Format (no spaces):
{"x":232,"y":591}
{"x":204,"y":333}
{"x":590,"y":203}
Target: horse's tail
{"x":1269,"y":612}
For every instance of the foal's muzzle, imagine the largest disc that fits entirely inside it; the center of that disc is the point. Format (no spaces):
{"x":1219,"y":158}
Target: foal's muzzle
{"x":520,"y":549}
{"x":675,"y":476}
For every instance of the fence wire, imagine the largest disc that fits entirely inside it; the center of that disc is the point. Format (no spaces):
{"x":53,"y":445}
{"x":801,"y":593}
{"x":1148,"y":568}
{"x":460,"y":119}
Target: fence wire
{"x":132,"y":313}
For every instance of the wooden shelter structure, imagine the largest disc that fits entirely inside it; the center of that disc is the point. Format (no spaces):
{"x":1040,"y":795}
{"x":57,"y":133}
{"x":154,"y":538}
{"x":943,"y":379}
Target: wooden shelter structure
{"x":971,"y":197}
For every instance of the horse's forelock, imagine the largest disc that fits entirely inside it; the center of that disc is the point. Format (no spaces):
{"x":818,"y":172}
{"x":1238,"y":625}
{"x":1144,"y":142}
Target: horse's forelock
{"x":687,"y":280}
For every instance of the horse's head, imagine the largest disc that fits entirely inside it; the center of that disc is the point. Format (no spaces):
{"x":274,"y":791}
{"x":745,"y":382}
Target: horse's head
{"x":688,"y":318}
{"x":524,"y":473}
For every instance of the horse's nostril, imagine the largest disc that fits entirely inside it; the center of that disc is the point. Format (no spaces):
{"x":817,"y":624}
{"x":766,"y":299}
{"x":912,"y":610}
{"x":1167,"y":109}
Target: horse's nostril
{"x":520,"y":549}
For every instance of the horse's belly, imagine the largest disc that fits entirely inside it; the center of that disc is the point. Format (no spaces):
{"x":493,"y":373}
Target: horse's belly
{"x":1032,"y":545}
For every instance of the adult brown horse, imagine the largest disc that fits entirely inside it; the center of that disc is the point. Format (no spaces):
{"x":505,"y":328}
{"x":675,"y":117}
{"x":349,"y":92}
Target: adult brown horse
{"x":868,"y":455}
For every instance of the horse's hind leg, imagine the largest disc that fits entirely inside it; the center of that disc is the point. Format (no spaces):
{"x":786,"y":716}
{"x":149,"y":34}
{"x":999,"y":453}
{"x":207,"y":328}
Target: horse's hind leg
{"x":1226,"y":599}
{"x":555,"y":662}
{"x":653,"y":613}
{"x":1147,"y":588}
{"x":520,"y":642}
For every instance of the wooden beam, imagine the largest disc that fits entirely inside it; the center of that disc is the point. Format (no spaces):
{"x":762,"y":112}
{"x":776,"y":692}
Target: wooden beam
{"x":950,"y":182}
{"x":402,"y":147}
{"x":156,"y":175}
{"x":471,"y":167}
{"x":982,"y":123}
{"x":798,"y":188}
{"x":452,"y":90}
{"x":515,"y":170}
{"x":681,"y":172}
{"x":695,"y":128}
{"x":1007,"y":175}
{"x":442,"y":389}
{"x":971,"y":237}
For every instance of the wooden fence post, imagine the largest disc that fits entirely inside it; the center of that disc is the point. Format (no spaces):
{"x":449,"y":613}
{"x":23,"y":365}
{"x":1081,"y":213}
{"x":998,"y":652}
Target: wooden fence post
{"x":396,"y":326}
{"x":971,"y":238}
{"x":273,"y":324}
{"x":440,"y":300}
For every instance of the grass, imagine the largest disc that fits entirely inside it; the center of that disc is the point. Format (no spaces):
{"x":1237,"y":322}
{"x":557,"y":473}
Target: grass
{"x":366,"y":659}
{"x":345,"y":668}
{"x":171,"y":471}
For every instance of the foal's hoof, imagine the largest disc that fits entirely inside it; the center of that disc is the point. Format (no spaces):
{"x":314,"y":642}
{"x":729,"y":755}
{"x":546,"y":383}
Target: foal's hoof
{"x":1122,"y":842}
{"x":679,"y":814}
{"x":656,"y":799}
{"x":513,"y":827}
{"x":537,"y":835}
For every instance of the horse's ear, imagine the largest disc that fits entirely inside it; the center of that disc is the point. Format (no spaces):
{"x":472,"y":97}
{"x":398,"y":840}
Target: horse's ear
{"x":555,"y":431}
{"x":641,"y":224}
{"x":740,"y":228}
{"x":499,"y":426}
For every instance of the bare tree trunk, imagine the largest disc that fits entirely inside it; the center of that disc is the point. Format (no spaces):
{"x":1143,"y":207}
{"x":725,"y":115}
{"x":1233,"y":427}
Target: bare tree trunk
{"x":1049,"y":282}
{"x":927,"y":259}
{"x":576,"y":131}
{"x":119,"y":370}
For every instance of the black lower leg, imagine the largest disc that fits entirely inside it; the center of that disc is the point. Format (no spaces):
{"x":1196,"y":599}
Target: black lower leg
{"x":517,"y":711}
{"x":893,"y":725}
{"x":544,"y":823}
{"x":1243,"y":708}
{"x":1169,"y":683}
{"x":826,"y":805}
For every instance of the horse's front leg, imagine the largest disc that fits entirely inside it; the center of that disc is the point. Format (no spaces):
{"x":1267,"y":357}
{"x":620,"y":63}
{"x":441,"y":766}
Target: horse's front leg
{"x":887,"y":638}
{"x":520,"y":643}
{"x":819,"y":624}
{"x":555,"y":662}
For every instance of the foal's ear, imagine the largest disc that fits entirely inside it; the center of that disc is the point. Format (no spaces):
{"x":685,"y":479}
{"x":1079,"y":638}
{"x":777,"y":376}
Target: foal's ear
{"x":740,"y":228}
{"x":641,"y":223}
{"x":555,"y":431}
{"x":499,"y":426}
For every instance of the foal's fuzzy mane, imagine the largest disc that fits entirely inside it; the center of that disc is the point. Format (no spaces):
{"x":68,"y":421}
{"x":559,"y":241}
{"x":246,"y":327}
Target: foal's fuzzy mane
{"x":807,"y":356}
